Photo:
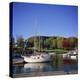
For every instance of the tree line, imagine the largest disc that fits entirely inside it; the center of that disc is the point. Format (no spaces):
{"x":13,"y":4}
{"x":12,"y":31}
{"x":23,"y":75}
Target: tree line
{"x":43,"y":43}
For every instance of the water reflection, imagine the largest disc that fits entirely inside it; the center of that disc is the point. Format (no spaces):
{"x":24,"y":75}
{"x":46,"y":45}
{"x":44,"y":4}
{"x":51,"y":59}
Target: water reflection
{"x":44,"y":67}
{"x":68,"y":67}
{"x":36,"y":67}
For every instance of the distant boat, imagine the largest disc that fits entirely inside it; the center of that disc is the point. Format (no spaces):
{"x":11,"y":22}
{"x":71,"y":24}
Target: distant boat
{"x":17,"y":59}
{"x":73,"y":57}
{"x":70,"y":55}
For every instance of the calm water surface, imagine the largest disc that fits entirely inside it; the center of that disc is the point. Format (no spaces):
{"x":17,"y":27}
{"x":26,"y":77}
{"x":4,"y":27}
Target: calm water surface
{"x":66,"y":66}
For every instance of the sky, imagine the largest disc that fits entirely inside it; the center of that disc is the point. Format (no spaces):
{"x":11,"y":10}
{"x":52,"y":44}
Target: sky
{"x":43,"y":19}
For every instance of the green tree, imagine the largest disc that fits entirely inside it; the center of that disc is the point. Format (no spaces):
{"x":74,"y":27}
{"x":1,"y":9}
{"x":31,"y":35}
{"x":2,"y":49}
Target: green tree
{"x":59,"y":42}
{"x":54,"y":42}
{"x":73,"y":42}
{"x":20,"y":42}
{"x":12,"y":44}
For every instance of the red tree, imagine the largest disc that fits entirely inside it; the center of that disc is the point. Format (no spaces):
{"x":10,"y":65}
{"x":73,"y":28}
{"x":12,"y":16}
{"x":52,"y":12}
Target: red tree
{"x":65,"y":43}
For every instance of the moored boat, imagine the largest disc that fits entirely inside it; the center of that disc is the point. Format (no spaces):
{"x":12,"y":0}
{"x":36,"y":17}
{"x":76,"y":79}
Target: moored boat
{"x":37,"y":58}
{"x":71,"y":55}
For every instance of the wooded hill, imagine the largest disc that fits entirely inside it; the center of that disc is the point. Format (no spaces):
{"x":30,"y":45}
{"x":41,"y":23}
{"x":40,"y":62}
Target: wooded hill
{"x":44,"y":43}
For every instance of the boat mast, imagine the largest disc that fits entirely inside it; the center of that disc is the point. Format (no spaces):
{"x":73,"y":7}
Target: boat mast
{"x":39,"y":43}
{"x":35,"y":23}
{"x":35,"y":36}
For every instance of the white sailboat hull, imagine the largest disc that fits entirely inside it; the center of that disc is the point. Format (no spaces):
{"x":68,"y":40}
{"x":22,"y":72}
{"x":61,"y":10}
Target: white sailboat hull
{"x":37,"y":59}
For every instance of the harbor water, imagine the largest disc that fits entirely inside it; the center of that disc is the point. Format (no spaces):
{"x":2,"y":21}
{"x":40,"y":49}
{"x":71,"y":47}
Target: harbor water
{"x":57,"y":66}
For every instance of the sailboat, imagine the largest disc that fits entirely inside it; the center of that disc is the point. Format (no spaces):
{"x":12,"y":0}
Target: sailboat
{"x":37,"y":56}
{"x":42,"y":57}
